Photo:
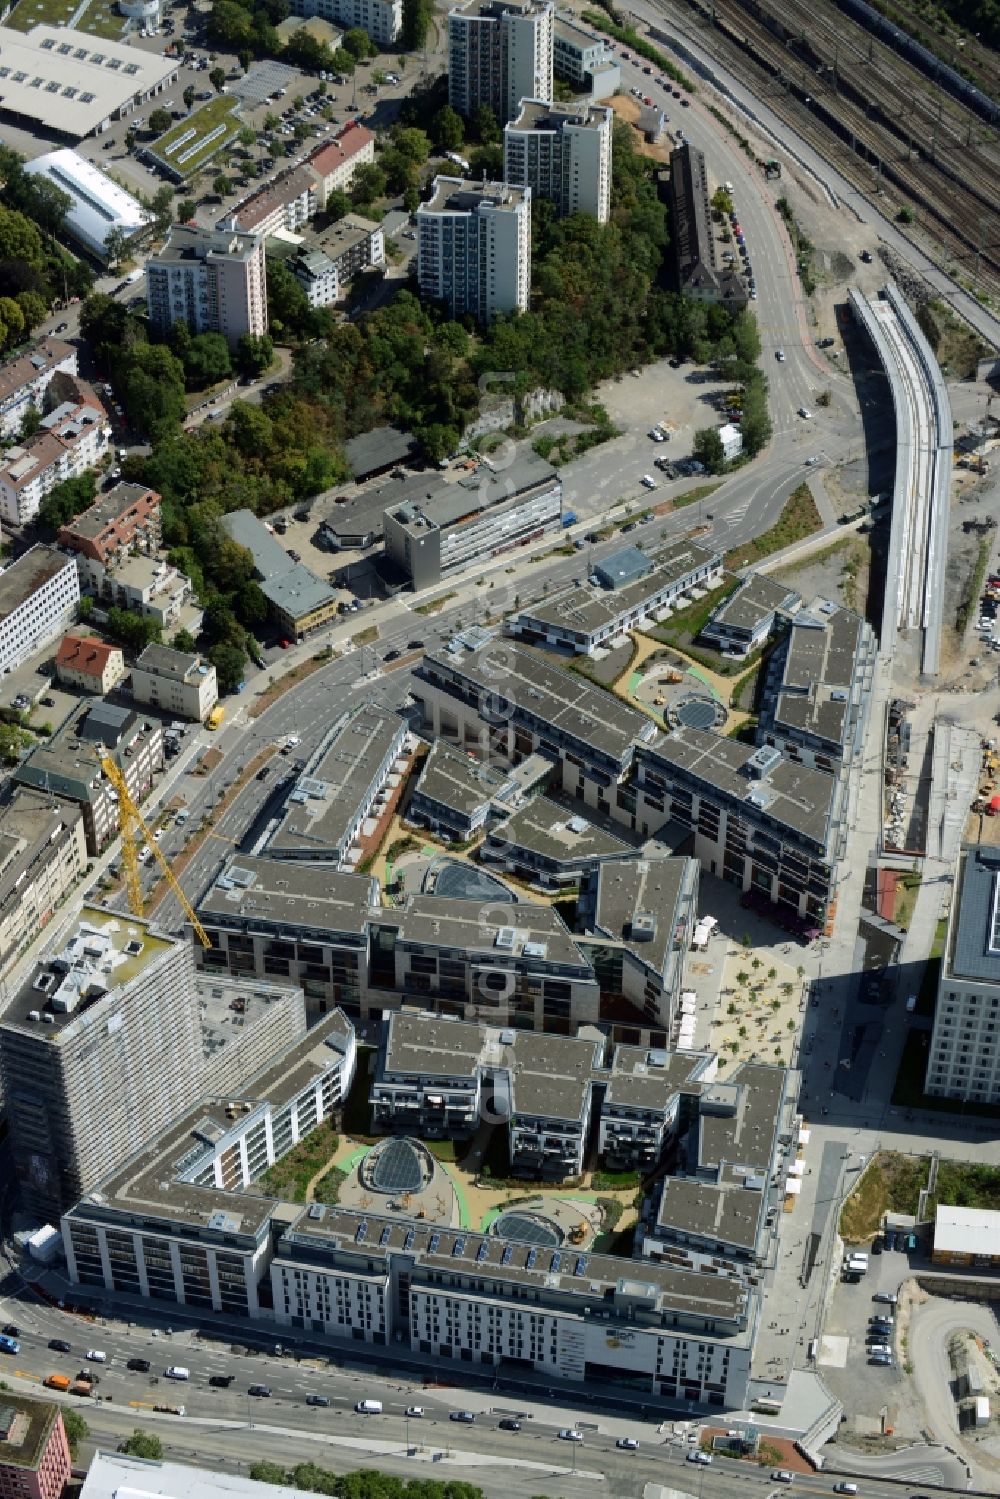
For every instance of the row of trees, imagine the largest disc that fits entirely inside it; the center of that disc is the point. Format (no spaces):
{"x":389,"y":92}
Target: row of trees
{"x":364,"y":1483}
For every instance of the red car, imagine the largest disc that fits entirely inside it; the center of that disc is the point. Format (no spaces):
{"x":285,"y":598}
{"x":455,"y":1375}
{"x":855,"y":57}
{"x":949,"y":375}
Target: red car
{"x":284,"y":644}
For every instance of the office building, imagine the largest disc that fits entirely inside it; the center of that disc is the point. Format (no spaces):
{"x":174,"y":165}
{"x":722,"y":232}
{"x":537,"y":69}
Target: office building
{"x":299,"y":601}
{"x":964,"y":1058}
{"x":455,"y":794}
{"x":214,"y":280}
{"x":549,"y":846}
{"x":92,"y":664}
{"x":474,"y":247}
{"x":71,"y":439}
{"x":748,"y":616}
{"x":35,"y":1460}
{"x":507,"y":701}
{"x":624,"y":592}
{"x":634,"y":921}
{"x":382,"y":19}
{"x":581,"y":57}
{"x":499,"y":52}
{"x":181,"y":1222}
{"x":101,"y":214}
{"x":816,"y":694}
{"x":25,"y":377}
{"x":142,"y":584}
{"x":698,"y":273}
{"x":39,"y":597}
{"x":67,"y":764}
{"x":106,"y":1013}
{"x":274,"y":919}
{"x":43,"y":853}
{"x":562,"y":153}
{"x":76,"y":84}
{"x":348,"y":781}
{"x":772,"y":827}
{"x":433,"y":529}
{"x":183,"y":685}
{"x":966,"y":1236}
{"x":124,"y":519}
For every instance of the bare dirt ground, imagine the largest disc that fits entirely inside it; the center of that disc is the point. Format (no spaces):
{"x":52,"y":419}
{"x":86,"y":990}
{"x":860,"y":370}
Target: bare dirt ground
{"x":840,"y":573}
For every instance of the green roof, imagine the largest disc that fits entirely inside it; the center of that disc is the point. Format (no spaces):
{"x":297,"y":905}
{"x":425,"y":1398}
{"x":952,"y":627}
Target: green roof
{"x":26,"y":1450}
{"x":188,"y":145}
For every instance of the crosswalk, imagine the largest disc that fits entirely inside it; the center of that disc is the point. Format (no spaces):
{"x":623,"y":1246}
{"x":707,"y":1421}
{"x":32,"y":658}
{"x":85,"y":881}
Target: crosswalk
{"x":927,"y":1473}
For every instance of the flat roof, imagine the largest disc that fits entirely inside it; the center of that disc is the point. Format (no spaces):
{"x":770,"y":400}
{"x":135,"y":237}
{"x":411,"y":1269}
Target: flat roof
{"x":626,"y":887}
{"x":321,"y":807}
{"x":587,"y":608}
{"x":430,"y":498}
{"x":819,"y":673}
{"x":561,"y":837}
{"x":270,"y":559}
{"x":432,"y":1046}
{"x":536,"y":114}
{"x":370,"y":452}
{"x":462,"y":195}
{"x":66,"y":763}
{"x":743,"y":1130}
{"x":974,"y":942}
{"x":456,"y":780}
{"x":752,"y":601}
{"x":190,"y":242}
{"x":114,"y":1475}
{"x":36,"y":567}
{"x":535,"y":933}
{"x":974,"y":1231}
{"x":340,"y":237}
{"x":30,"y":825}
{"x":84,"y":78}
{"x":649,"y":1079}
{"x":799,"y":797}
{"x":89,"y":958}
{"x":27,"y":1427}
{"x":108,"y":508}
{"x":548,"y":694}
{"x":721,"y":1211}
{"x":179,"y":666}
{"x":298,"y":592}
{"x":193,"y":141}
{"x":254,"y":890}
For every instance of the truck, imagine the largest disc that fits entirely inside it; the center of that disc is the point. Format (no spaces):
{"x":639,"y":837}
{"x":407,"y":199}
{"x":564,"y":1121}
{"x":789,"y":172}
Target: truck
{"x":569,"y":518}
{"x":215,"y":718}
{"x":57,"y":1382}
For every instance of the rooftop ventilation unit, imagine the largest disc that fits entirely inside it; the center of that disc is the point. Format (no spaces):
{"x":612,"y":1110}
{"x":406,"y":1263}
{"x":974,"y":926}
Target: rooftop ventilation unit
{"x":535,"y":949}
{"x":643,"y":926}
{"x":577,"y":825}
{"x":505,"y":938}
{"x":763,"y":761}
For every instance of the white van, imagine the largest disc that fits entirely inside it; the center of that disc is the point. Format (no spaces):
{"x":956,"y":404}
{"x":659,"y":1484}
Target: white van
{"x":177,"y":1371}
{"x":369,"y":1408}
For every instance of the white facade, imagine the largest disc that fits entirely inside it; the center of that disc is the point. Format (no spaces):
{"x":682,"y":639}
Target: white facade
{"x":562,"y":154}
{"x":318,"y":278}
{"x":499,"y":52}
{"x":182,"y":685}
{"x":97,"y":204}
{"x":71,"y":440}
{"x":732,"y":441}
{"x":39,"y":596}
{"x":75,"y":84}
{"x":25,"y":378}
{"x":146,"y":585}
{"x":382,"y":19}
{"x":474,"y":247}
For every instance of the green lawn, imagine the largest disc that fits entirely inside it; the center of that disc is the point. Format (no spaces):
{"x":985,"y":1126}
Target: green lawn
{"x":103,"y":18}
{"x":798,"y":519}
{"x":30,"y":13}
{"x":187,"y":146}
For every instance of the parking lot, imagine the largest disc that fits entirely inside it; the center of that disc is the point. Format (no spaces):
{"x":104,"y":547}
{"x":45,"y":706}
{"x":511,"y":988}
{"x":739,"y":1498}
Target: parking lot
{"x":842,"y":1356}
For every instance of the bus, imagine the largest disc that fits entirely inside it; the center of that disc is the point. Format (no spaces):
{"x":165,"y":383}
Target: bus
{"x":9,"y":1345}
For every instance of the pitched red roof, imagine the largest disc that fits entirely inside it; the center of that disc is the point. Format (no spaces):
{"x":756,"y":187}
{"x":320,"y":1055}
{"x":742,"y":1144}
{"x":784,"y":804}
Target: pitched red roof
{"x":85,"y":653}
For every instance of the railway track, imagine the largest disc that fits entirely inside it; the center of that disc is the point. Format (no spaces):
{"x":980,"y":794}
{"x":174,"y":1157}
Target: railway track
{"x":975,"y":61}
{"x":962,"y":214}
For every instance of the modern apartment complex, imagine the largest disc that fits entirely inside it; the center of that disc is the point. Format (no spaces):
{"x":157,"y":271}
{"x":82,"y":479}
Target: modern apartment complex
{"x":181,"y":684}
{"x":623,"y":592}
{"x":67,"y":764}
{"x":562,"y":153}
{"x":382,"y":19}
{"x":435,"y":529}
{"x":126,"y":518}
{"x":108,"y":1012}
{"x":71,"y":439}
{"x":581,"y":57}
{"x":146,"y":585}
{"x":509,"y":701}
{"x":474,"y":247}
{"x":25,"y":377}
{"x":548,"y":846}
{"x":214,"y":280}
{"x":964,"y":1057}
{"x":39,"y":597}
{"x":499,"y":52}
{"x":344,"y":781}
{"x":43,"y":853}
{"x":454,"y":794}
{"x":325,"y":262}
{"x":95,"y":665}
{"x":747,"y":617}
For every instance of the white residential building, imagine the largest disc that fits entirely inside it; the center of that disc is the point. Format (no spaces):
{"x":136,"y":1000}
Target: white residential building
{"x":214,"y":280}
{"x":474,"y":247}
{"x":499,"y":52}
{"x":43,"y":852}
{"x":72,"y":439}
{"x":562,"y":153}
{"x":146,"y":585}
{"x":382,"y":19}
{"x":39,"y":596}
{"x":175,"y":682}
{"x":25,"y":378}
{"x":317,"y":275}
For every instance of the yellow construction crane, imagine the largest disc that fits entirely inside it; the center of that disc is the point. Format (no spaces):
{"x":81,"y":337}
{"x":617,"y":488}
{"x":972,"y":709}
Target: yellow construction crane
{"x":131,"y":818}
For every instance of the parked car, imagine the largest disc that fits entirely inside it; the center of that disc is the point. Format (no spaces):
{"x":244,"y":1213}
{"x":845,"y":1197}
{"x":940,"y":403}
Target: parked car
{"x":887,"y":1296}
{"x":699,"y":1457}
{"x":97,"y":1355}
{"x":221,"y":1381}
{"x":415,"y":1412}
{"x":627,"y":1444}
{"x":261,"y":1391}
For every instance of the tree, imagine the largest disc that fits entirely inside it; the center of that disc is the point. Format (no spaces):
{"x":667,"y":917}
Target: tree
{"x":416,"y":17}
{"x":254,"y":354}
{"x":142,"y":1444}
{"x":159,"y":120}
{"x":150,"y":384}
{"x":75,"y":1427}
{"x":188,"y":96}
{"x":251,"y":604}
{"x":66,"y":501}
{"x":222,"y":185}
{"x":184,"y":641}
{"x":33,"y":308}
{"x":229,"y":662}
{"x":447,"y":130}
{"x":115,"y":245}
{"x":337,"y":204}
{"x":244,"y":57}
{"x":485,"y":125}
{"x":368,"y":184}
{"x":162,"y":205}
{"x":217,"y":78}
{"x":185,"y":210}
{"x":206,"y":360}
{"x":266,"y":1472}
{"x":707,"y":448}
{"x":135,"y":631}
{"x":358,"y":43}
